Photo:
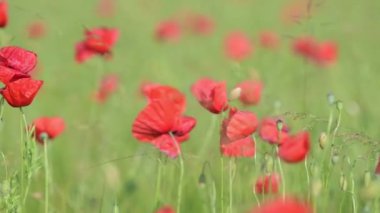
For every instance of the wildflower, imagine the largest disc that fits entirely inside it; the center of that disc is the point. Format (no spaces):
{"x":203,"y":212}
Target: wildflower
{"x":3,"y":13}
{"x":237,"y":46}
{"x":168,"y":31}
{"x":270,"y":133}
{"x":287,"y":205}
{"x":48,"y":126}
{"x":250,"y":92}
{"x":211,"y":95}
{"x":236,"y":134}
{"x":269,"y":183}
{"x":269,"y":40}
{"x":108,"y":85}
{"x":295,"y":148}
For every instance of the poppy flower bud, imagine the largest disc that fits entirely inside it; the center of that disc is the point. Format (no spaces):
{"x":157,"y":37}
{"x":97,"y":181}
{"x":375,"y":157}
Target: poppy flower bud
{"x":367,"y":178}
{"x":339,"y":105}
{"x":343,"y":182}
{"x":279,"y":124}
{"x":202,"y":180}
{"x":330,"y":98}
{"x":235,"y":93}
{"x":323,"y":140}
{"x":335,"y":158}
{"x":267,"y":165}
{"x":316,"y":187}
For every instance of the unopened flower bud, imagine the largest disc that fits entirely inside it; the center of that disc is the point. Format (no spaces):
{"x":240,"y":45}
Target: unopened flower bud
{"x":335,"y":158}
{"x":235,"y":93}
{"x":343,"y":182}
{"x":280,"y":125}
{"x":323,"y":140}
{"x":202,"y":180}
{"x":330,"y":98}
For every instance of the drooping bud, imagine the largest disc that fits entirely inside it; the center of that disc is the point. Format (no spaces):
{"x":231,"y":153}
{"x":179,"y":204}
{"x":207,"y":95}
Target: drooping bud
{"x":330,"y":98}
{"x":202,"y":180}
{"x":323,"y":140}
{"x":335,"y":157}
{"x":235,"y":93}
{"x":280,"y":125}
{"x":343,"y":182}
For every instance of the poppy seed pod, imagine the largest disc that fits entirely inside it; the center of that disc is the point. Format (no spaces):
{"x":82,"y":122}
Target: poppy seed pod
{"x":202,"y":180}
{"x":343,"y":182}
{"x":330,"y":98}
{"x":339,"y":105}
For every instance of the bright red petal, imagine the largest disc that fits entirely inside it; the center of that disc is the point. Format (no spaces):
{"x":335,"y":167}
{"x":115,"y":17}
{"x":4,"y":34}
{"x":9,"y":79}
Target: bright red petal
{"x":18,"y":58}
{"x":295,"y":148}
{"x":20,"y":93}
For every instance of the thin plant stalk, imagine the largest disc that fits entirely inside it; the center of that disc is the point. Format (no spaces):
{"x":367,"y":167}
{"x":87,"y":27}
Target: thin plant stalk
{"x":222,"y":184}
{"x":46,"y":165}
{"x":307,"y":178}
{"x":182,"y":171}
{"x":231,"y":176}
{"x":158,"y":182}
{"x":209,"y":134}
{"x":282,"y":174}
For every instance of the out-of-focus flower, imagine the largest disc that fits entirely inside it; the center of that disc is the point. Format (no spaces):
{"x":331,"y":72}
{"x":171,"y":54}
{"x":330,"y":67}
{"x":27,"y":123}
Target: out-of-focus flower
{"x":166,"y":209}
{"x":49,"y":127}
{"x":280,"y":205}
{"x":106,"y":8}
{"x":295,"y":148}
{"x":3,"y":13}
{"x":36,"y":30}
{"x":238,"y":46}
{"x":269,"y":39}
{"x":250,"y":91}
{"x":269,"y":131}
{"x":199,"y":24}
{"x":269,"y":183}
{"x":108,"y":85}
{"x":168,"y":31}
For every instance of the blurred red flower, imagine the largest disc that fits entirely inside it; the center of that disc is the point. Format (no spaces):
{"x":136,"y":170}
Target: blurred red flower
{"x":36,"y":30}
{"x":280,"y":205}
{"x":200,"y":24}
{"x":269,"y":131}
{"x":98,"y":41}
{"x":304,"y":46}
{"x":211,"y":95}
{"x":269,"y":183}
{"x":106,"y":8}
{"x":269,"y":39}
{"x":250,"y":91}
{"x":158,"y":121}
{"x":3,"y":13}
{"x":51,"y":126}
{"x":108,"y":85}
{"x":21,"y":92}
{"x":325,"y":53}
{"x":237,"y":46}
{"x":168,"y":31}
{"x":17,"y":58}
{"x":295,"y":148}
{"x":165,"y":209}
{"x":236,"y":131}
{"x":159,"y":92}
{"x":377,"y":170}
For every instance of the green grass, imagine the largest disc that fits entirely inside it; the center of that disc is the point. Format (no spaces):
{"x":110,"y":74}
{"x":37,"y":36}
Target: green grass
{"x":81,"y":181}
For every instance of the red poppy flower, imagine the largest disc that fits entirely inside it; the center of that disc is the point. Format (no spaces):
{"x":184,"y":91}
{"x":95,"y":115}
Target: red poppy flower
{"x":325,"y":53}
{"x":108,"y":85}
{"x":295,"y":148}
{"x":200,"y":24}
{"x":157,"y":121}
{"x":169,"y":31}
{"x":304,"y":46}
{"x":268,"y":184}
{"x":377,"y":170}
{"x":269,"y":39}
{"x":17,"y":58}
{"x":165,"y":209}
{"x":3,"y":13}
{"x":167,"y":92}
{"x":36,"y":30}
{"x":211,"y":95}
{"x":250,"y":92}
{"x":280,"y":205}
{"x":51,"y":126}
{"x":98,"y":41}
{"x":106,"y":8}
{"x":146,"y":86}
{"x":235,"y":136}
{"x":21,"y":92}
{"x":237,"y":46}
{"x":269,"y":131}
{"x":8,"y":74}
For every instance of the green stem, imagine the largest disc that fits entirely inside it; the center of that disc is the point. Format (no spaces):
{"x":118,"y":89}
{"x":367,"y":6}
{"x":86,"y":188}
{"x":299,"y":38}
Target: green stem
{"x":181,"y":173}
{"x":231,"y":168}
{"x":282,"y":174}
{"x":307,"y":178}
{"x":46,"y":175}
{"x":209,"y":134}
{"x":222,"y":185}
{"x":158,"y":183}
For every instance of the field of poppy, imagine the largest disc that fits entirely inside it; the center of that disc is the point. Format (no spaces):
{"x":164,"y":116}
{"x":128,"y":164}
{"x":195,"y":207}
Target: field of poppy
{"x":189,"y":106}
